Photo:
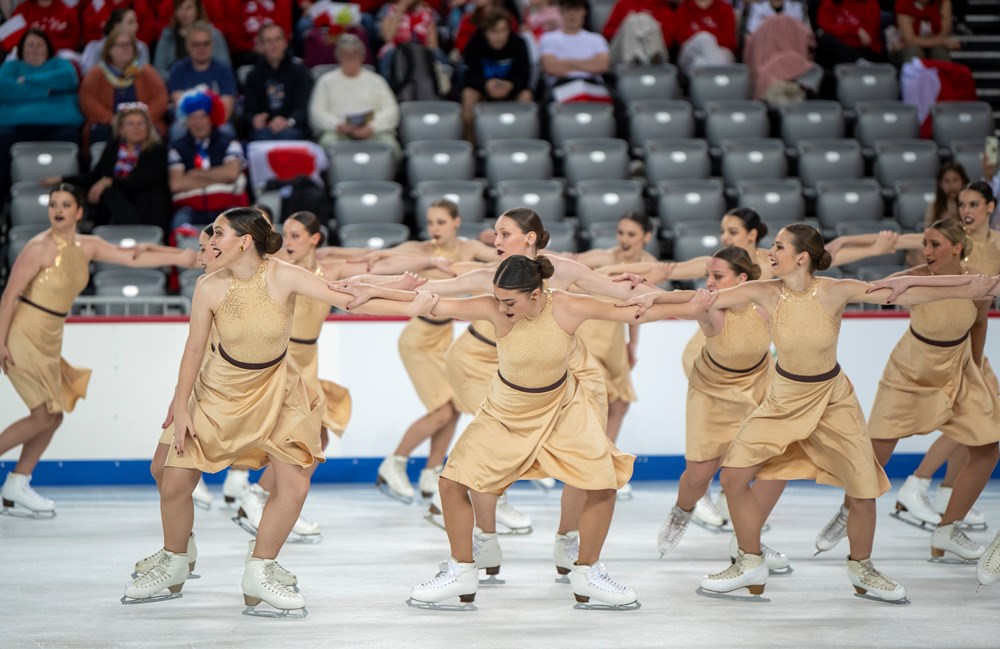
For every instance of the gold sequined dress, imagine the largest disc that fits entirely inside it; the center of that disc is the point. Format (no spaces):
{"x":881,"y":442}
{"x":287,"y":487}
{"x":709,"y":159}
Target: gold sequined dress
{"x":931,"y":382}
{"x":248,"y":401}
{"x":692,"y":350}
{"x":537,"y":420}
{"x":40,"y":375}
{"x":307,"y":323}
{"x":810,"y":425}
{"x":727,"y":382}
{"x":985,"y":258}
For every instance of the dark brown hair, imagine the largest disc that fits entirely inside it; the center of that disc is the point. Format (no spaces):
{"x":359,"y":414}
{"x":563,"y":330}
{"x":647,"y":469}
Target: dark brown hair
{"x":311,"y":223}
{"x":448,"y":206}
{"x":641,"y":220}
{"x":523,"y":274}
{"x":751,"y":220}
{"x":529,"y":221}
{"x":251,"y":221}
{"x":983,"y":188}
{"x":72,"y":190}
{"x":807,"y":239}
{"x":739,"y":261}
{"x":34,"y":31}
{"x":940,"y":198}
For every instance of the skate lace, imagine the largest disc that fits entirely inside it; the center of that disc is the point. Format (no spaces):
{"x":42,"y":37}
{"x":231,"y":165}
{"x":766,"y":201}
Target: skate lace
{"x":271,"y":583}
{"x":736,"y":569}
{"x":872,"y":577}
{"x":598,"y":577}
{"x":707,"y":509}
{"x":770,"y":553}
{"x":446,"y":574}
{"x":958,"y":536}
{"x":991,"y":560}
{"x":158,"y":573}
{"x":154,"y":558}
{"x":506,"y":511}
{"x":678,"y":522}
{"x":836,"y":527}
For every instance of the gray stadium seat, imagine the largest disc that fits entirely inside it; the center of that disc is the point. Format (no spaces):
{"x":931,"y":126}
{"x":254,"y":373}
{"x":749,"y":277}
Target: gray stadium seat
{"x":689,"y":244}
{"x":811,"y":120}
{"x":376,"y":201}
{"x":448,"y":160}
{"x":29,"y":204}
{"x":657,"y":119}
{"x":713,"y":82}
{"x":188,"y":279}
{"x":430,"y":120}
{"x":735,"y":118}
{"x":598,"y":13}
{"x":126,"y":236}
{"x":912,"y":199}
{"x":969,"y":154}
{"x":580,"y":119}
{"x":905,"y":160}
{"x":372,"y":235}
{"x":467,"y":194}
{"x":885,"y":120}
{"x":865,"y":82}
{"x":518,"y":160}
{"x":752,"y":158}
{"x":606,"y":200}
{"x":130,"y":282}
{"x":360,"y":161}
{"x":543,"y":196}
{"x":596,"y":158}
{"x":641,"y":82}
{"x":32,"y":161}
{"x":690,"y":200}
{"x":562,"y":236}
{"x":96,"y":151}
{"x":779,"y":198}
{"x":505,"y":120}
{"x":829,"y":160}
{"x":893,"y":260}
{"x":840,"y":201}
{"x":18,"y":237}
{"x":961,"y":120}
{"x":677,"y":159}
{"x":318,"y":71}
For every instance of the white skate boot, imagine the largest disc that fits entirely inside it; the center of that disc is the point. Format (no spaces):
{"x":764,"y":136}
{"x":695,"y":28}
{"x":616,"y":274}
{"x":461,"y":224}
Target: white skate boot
{"x":988,"y":568}
{"x":777,"y":562}
{"x":545,"y":484}
{"x":392,"y":479}
{"x":487,"y":554}
{"x":594,"y":589}
{"x":169,"y":574}
{"x":17,"y":491}
{"x":952,"y":538}
{"x":306,"y":531}
{"x":456,"y":579}
{"x":145,"y":565}
{"x":251,"y":509}
{"x":237,"y":481}
{"x":428,"y":482}
{"x":672,"y":530}
{"x":260,"y":584}
{"x":435,"y":511}
{"x":833,"y":532}
{"x":707,"y":516}
{"x":913,"y":507}
{"x":513,"y":520}
{"x":201,"y":496}
{"x":747,"y":571}
{"x":565,"y":553}
{"x":625,"y":493}
{"x":282,"y":575}
{"x":869,"y":583}
{"x":974,"y":520}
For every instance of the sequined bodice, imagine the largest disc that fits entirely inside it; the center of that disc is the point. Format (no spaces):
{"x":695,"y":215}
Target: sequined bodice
{"x":985,"y":256}
{"x":743,"y":341}
{"x":944,"y":320}
{"x":804,"y":334}
{"x":309,"y":315}
{"x":253,"y":327}
{"x":56,"y":286}
{"x":536,"y":351}
{"x":453,"y":255}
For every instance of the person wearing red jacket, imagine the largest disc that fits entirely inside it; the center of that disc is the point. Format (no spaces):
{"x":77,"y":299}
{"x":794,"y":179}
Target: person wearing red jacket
{"x":925,"y":30}
{"x":241,"y":26}
{"x":59,"y":22}
{"x":635,"y":29}
{"x":96,"y":13}
{"x":850,"y":30}
{"x":706,"y":31}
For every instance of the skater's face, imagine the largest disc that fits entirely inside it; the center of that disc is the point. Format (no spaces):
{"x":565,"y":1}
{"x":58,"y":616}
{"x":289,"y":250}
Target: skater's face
{"x":735,"y":233}
{"x":517,"y":305}
{"x":719,"y":275}
{"x":783,"y":255}
{"x":974,"y":210}
{"x":941,"y":255}
{"x":442,"y":226}
{"x":298,"y":241}
{"x":224,"y":246}
{"x":64,"y":211}
{"x":631,"y":238}
{"x":512,"y":240}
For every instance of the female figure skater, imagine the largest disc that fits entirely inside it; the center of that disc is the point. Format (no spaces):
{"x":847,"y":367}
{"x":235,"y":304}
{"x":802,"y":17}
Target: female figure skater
{"x":46,"y":277}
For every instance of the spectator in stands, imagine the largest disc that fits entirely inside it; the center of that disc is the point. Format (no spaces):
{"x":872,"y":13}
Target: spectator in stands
{"x":850,"y":30}
{"x":706,"y":32}
{"x":951,"y":179}
{"x":243,"y":20}
{"x":128,"y":185}
{"x":38,"y":99}
{"x":573,"y":52}
{"x":472,"y":21}
{"x":276,"y":97}
{"x":497,"y":66}
{"x":779,"y":53}
{"x":120,"y":78}
{"x":212,"y":11}
{"x":53,"y":18}
{"x":172,"y":44}
{"x":201,"y":69}
{"x":127,"y":20}
{"x":97,"y":14}
{"x":205,"y":165}
{"x":757,"y":11}
{"x":924,"y":31}
{"x":640,"y":31}
{"x":407,"y":21}
{"x":352,"y":103}
{"x":541,"y":16}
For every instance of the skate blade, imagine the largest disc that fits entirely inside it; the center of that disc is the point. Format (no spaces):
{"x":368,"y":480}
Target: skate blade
{"x":898,"y":602}
{"x":384,"y":488}
{"x":432,"y":606}
{"x":978,"y":527}
{"x":714,"y":529}
{"x":907,"y":518}
{"x":562,"y":579}
{"x":304,"y":539}
{"x":27,"y":513}
{"x":437,"y":520}
{"x":513,"y":531}
{"x":202,"y":504}
{"x":787,"y":570}
{"x":588,"y":606}
{"x":953,"y":561}
{"x":191,"y":575}
{"x":151,"y":600}
{"x":492,"y":580}
{"x":291,"y":614}
{"x":711,"y":594}
{"x":245,"y":525}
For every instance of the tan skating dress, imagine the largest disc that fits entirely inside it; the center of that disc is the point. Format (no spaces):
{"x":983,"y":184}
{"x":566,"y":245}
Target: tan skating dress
{"x":727,"y":382}
{"x":40,"y":375}
{"x":985,"y":258}
{"x":423,"y":345}
{"x":167,"y":434}
{"x":931,"y":382}
{"x":692,"y":351}
{"x":810,"y":426}
{"x":606,"y":342}
{"x":307,"y":323}
{"x":537,"y":420}
{"x":248,"y":401}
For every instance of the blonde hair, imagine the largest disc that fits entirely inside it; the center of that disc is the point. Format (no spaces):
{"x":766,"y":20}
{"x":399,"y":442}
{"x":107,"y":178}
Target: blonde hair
{"x":124,"y":110}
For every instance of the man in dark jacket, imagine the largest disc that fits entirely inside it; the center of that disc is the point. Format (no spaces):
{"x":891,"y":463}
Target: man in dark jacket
{"x":277,"y":91}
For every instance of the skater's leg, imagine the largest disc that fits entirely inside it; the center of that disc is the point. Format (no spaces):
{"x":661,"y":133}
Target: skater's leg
{"x":574,"y":501}
{"x":33,"y":433}
{"x":485,"y":507}
{"x":282,"y":508}
{"x":694,"y":482}
{"x":158,"y":464}
{"x":939,"y":453}
{"x":176,"y":507}
{"x":458,"y":516}
{"x":743,"y":506}
{"x":971,"y":482}
{"x":594,"y":523}
{"x":616,"y":415}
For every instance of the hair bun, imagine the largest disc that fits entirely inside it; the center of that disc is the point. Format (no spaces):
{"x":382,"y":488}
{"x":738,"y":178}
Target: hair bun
{"x":545,"y":267}
{"x":825,"y":260}
{"x":273,"y":243}
{"x":543,"y":241}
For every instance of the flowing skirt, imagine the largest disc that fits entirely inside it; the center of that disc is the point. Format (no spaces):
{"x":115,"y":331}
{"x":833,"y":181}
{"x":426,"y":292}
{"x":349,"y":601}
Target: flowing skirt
{"x":336,"y":399}
{"x":422,"y":347}
{"x":606,"y":342}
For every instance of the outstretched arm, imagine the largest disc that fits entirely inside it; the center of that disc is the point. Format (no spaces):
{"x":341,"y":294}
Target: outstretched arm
{"x":101,"y":250}
{"x":481,"y":307}
{"x":26,"y":266}
{"x":883,"y":244}
{"x":357,"y":298}
{"x":476,"y":281}
{"x":577,"y":308}
{"x":916,"y":289}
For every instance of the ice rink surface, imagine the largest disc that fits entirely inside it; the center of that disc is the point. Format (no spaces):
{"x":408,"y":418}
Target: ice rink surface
{"x":62,"y":580}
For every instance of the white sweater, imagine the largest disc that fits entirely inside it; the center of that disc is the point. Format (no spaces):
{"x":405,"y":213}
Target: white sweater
{"x":336,"y":95}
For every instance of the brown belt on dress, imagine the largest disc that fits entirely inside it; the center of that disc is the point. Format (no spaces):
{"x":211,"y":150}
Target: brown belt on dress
{"x":729,"y":369}
{"x":480,"y":337}
{"x":250,"y":366}
{"x":547,"y":388}
{"x":304,"y":341}
{"x":939,"y":343}
{"x":434,"y":321}
{"x":21,"y":298}
{"x":814,"y":378}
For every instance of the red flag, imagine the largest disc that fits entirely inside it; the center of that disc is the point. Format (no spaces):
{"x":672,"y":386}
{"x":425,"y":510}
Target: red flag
{"x":12,"y":31}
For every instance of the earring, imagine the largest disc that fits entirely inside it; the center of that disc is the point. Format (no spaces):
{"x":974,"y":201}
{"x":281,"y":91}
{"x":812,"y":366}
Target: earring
{"x":241,"y":247}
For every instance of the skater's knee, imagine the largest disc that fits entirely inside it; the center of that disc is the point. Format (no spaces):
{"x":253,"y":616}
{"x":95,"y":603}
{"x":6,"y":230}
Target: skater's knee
{"x":446,"y":485}
{"x":601,"y":495}
{"x":987,"y":453}
{"x":156,"y":470}
{"x":733,"y":479}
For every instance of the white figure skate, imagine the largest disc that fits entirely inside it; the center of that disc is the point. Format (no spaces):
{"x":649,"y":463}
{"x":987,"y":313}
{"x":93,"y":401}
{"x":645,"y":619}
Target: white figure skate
{"x":545,"y":484}
{"x":145,"y":565}
{"x":707,"y":516}
{"x":392,"y":479}
{"x":594,"y":589}
{"x":952,"y":539}
{"x":435,"y":511}
{"x":428,"y":482}
{"x":988,"y":568}
{"x":511,"y":520}
{"x":747,"y":571}
{"x":833,"y":532}
{"x":913,"y":507}
{"x":236,"y":483}
{"x":17,"y":491}
{"x":251,"y":508}
{"x":869,"y":583}
{"x":565,"y":552}
{"x":201,"y":496}
{"x":487,"y":555}
{"x":261,"y":584}
{"x":306,"y":531}
{"x":282,"y":575}
{"x":974,"y":521}
{"x":777,"y":562}
{"x":625,"y":493}
{"x":672,"y":530}
{"x":455,"y":579}
{"x":167,"y":575}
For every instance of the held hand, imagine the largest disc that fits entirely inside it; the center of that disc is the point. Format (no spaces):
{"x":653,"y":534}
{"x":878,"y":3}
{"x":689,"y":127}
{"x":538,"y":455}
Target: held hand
{"x":633,"y":279}
{"x":643,"y":302}
{"x":661,"y":272}
{"x":702,"y":300}
{"x":423,"y":303}
{"x":896,"y":287}
{"x":6,"y":360}
{"x":183,"y":427}
{"x":138,"y":249}
{"x":885,"y":242}
{"x":372,"y":258}
{"x":835,"y":246}
{"x":359,"y":291}
{"x":443,"y":264}
{"x":407,"y":282}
